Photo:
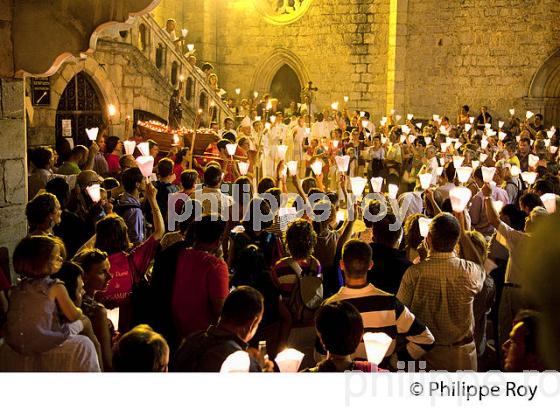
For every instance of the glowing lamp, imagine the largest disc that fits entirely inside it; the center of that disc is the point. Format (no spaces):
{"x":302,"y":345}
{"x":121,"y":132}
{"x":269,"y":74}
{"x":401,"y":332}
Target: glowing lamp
{"x":376,"y":345}
{"x":282,"y":149}
{"x":553,"y":149}
{"x":471,"y":120}
{"x":393,"y":191}
{"x":190,"y":47}
{"x":488,"y":173}
{"x":129,"y":147}
{"x":497,"y":205}
{"x":243,"y":167}
{"x":424,"y":225}
{"x":335,"y":143}
{"x":533,"y":160}
{"x":468,"y":127}
{"x":549,"y":201}
{"x":111,"y":110}
{"x":273,"y":118}
{"x":94,"y":192}
{"x":176,"y":139}
{"x":464,"y":173}
{"x":334,"y":106}
{"x":405,"y":129}
{"x":238,"y":91}
{"x":458,"y":160}
{"x":512,"y":111}
{"x":184,"y":32}
{"x":358,"y":185}
{"x":146,"y":165}
{"x":92,"y":133}
{"x":439,"y":171}
{"x":418,"y":125}
{"x":529,"y":114}
{"x":425,"y":180}
{"x":346,"y":98}
{"x":500,"y":124}
{"x":459,"y":197}
{"x":237,"y":362}
{"x":376,"y":184}
{"x":231,"y":148}
{"x":317,"y":167}
{"x":483,"y":157}
{"x":256,"y":94}
{"x":515,"y":171}
{"x":113,"y":316}
{"x":289,"y":360}
{"x":435,"y":117}
{"x":484,"y":144}
{"x":475,"y":164}
{"x":409,"y":117}
{"x":365,"y":123}
{"x":529,"y":177}
{"x":342,"y":162}
{"x":292,"y":167}
{"x":144,"y":148}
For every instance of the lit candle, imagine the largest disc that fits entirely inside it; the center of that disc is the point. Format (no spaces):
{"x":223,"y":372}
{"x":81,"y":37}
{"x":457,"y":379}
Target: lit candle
{"x":549,"y":200}
{"x":512,"y":111}
{"x":94,"y":192}
{"x":459,"y":197}
{"x":425,"y":180}
{"x":376,"y":345}
{"x":144,"y":148}
{"x":393,"y":191}
{"x":358,"y":185}
{"x":243,"y":167}
{"x":529,"y":177}
{"x":238,"y":91}
{"x":146,"y":164}
{"x":289,"y":360}
{"x":346,"y":98}
{"x":231,"y":148}
{"x":111,"y":110}
{"x":255,"y":94}
{"x":237,"y":362}
{"x":424,"y":225}
{"x":190,"y":47}
{"x":129,"y":147}
{"x":463,"y":174}
{"x":92,"y":133}
{"x":282,"y":149}
{"x":487,"y":173}
{"x":376,"y":184}
{"x":292,"y":167}
{"x":317,"y":167}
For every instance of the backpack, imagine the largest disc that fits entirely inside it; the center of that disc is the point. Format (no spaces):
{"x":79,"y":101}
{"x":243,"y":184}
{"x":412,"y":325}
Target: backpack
{"x":307,"y":294}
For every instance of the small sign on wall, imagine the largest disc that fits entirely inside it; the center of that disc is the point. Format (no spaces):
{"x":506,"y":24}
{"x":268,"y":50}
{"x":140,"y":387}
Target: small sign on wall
{"x":66,"y":128}
{"x":40,"y":91}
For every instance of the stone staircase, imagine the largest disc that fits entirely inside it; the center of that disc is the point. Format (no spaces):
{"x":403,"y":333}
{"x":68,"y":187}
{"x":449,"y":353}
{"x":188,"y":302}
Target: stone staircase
{"x":163,"y":58}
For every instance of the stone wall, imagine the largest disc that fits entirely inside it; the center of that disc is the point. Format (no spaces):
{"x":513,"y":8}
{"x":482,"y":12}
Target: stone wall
{"x":476,"y":52}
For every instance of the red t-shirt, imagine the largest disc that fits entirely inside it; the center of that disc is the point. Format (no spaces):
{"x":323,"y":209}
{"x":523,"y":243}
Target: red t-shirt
{"x":123,"y":268}
{"x":113,"y":163}
{"x":178,"y":170}
{"x":200,"y":278}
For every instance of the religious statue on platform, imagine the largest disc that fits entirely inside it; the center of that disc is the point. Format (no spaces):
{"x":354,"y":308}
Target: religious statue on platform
{"x":175,"y":110}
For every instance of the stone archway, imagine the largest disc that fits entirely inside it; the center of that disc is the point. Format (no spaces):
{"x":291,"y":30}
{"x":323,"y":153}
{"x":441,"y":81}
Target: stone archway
{"x":544,"y":90}
{"x":269,"y":67}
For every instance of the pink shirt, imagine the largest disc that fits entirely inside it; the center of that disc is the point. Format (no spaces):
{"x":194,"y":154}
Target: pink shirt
{"x":113,"y":163}
{"x":200,"y":279}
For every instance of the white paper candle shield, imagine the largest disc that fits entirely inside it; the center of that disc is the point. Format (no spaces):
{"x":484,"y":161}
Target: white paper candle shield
{"x":176,"y":139}
{"x":468,"y":127}
{"x":317,"y":167}
{"x":376,"y":184}
{"x":533,"y":159}
{"x":439,"y":171}
{"x":340,"y":216}
{"x":362,"y":113}
{"x":258,"y":118}
{"x":443,"y":130}
{"x":512,"y":111}
{"x":411,"y":138}
{"x":425,"y":180}
{"x":272,"y":119}
{"x":129,"y":147}
{"x":459,"y":197}
{"x":393,"y":191}
{"x":393,"y":111}
{"x":484,"y":144}
{"x":487,"y":126}
{"x":237,"y":362}
{"x":94,"y":192}
{"x":231,"y":148}
{"x":500,"y":124}
{"x":292,"y":167}
{"x":376,"y":345}
{"x":529,"y":114}
{"x":550,"y":133}
{"x":405,"y":129}
{"x":547,"y":143}
{"x":418,"y":125}
{"x":113,"y":316}
{"x":342,"y":162}
{"x":190,"y":47}
{"x":289,"y":360}
{"x":488,"y":173}
{"x":497,"y":205}
{"x":358,"y":185}
{"x":397,"y":118}
{"x":282,"y":149}
{"x":92,"y":133}
{"x":144,"y":148}
{"x":335,"y":143}
{"x":442,"y":162}
{"x":403,"y":139}
{"x":463,"y":174}
{"x":365,"y":123}
{"x":238,"y":91}
{"x":334,"y":106}
{"x":346,"y":98}
{"x":146,"y":165}
{"x":435,"y":117}
{"x":184,"y":32}
{"x":518,"y":138}
{"x":471,"y":120}
{"x":529,"y":177}
{"x":268,"y":126}
{"x":424,"y":224}
{"x":458,"y":161}
{"x":111,"y":110}
{"x":483,"y":157}
{"x":255,"y":94}
{"x":443,"y":146}
{"x":458,"y":145}
{"x":428,"y":140}
{"x":502,"y":136}
{"x":409,"y":117}
{"x":475,"y":164}
{"x":553,"y":149}
{"x":515,"y":171}
{"x":243,"y":167}
{"x":549,"y":201}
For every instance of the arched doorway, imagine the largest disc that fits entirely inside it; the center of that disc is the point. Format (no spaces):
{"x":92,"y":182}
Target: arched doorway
{"x":285,"y":86}
{"x":544,"y":90}
{"x":80,"y":104}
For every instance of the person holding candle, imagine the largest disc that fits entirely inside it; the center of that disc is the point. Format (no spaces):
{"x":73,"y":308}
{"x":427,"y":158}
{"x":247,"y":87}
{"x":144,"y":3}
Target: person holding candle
{"x":479,"y":221}
{"x":113,"y":152}
{"x":128,"y":204}
{"x":380,"y":311}
{"x":441,"y":290}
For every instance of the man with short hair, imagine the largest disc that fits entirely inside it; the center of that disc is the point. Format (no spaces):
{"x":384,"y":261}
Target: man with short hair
{"x":389,"y":262}
{"x":441,"y":290}
{"x":521,"y":349}
{"x":165,"y":185}
{"x":81,"y":158}
{"x":479,"y":222}
{"x":523,"y":151}
{"x":228,"y":127}
{"x":128,"y":204}
{"x":449,"y":173}
{"x":207,"y":350}
{"x":381,"y":311}
{"x":212,"y":198}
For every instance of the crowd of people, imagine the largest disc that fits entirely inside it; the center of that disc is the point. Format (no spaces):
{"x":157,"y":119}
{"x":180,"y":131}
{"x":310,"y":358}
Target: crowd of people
{"x":300,"y":231}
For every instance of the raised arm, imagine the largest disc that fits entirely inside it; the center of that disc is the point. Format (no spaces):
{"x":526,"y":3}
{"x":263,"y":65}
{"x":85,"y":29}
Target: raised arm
{"x":157,"y":218}
{"x":469,"y":251}
{"x":491,"y":214}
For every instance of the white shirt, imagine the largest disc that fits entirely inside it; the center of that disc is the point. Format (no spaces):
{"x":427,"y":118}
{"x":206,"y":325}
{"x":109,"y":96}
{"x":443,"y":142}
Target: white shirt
{"x":513,"y":240}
